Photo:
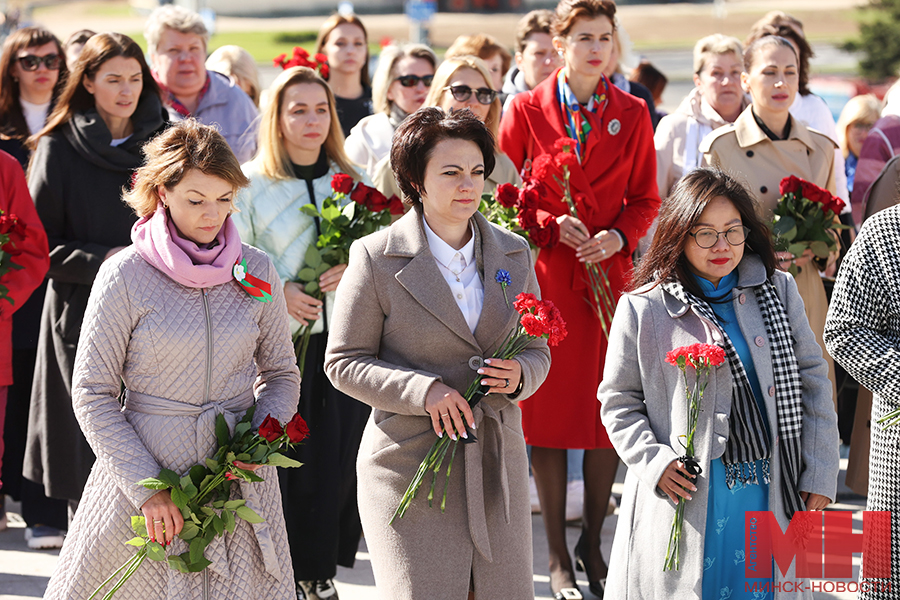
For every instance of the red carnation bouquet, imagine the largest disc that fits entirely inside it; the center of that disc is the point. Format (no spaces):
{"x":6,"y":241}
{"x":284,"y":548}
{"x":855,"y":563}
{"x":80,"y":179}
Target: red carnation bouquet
{"x":602,"y":299}
{"x":348,"y":214}
{"x":301,"y":58}
{"x":537,"y":318}
{"x":806,"y":217}
{"x":203,"y":493}
{"x":12,"y":235}
{"x":516,"y":209}
{"x":701,"y":358}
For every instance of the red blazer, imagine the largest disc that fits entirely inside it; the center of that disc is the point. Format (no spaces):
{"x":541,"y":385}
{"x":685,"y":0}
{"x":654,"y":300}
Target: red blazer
{"x":614,"y":188}
{"x":35,"y":257}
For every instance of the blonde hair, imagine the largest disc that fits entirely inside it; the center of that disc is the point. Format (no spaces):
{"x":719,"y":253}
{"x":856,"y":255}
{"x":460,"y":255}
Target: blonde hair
{"x":273,"y":159}
{"x":716,"y":45}
{"x":387,"y":64}
{"x":185,"y":146}
{"x":238,"y":65}
{"x":864,"y":108}
{"x":483,"y":46}
{"x":176,"y":18}
{"x":444,"y":75}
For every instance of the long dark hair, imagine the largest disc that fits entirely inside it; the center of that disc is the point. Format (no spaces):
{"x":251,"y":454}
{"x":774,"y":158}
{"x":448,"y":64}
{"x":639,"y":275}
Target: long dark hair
{"x":12,"y":119}
{"x":97,"y":50}
{"x":679,"y":213}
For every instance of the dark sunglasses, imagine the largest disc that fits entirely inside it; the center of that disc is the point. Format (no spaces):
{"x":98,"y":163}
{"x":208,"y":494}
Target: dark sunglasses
{"x":413,"y":80}
{"x":30,"y":62}
{"x":463,"y":92}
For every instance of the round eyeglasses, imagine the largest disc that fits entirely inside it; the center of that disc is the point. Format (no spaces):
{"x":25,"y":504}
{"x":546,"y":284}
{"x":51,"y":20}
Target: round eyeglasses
{"x":708,"y":237}
{"x":413,"y":80}
{"x":461,"y":93}
{"x":31,"y":62}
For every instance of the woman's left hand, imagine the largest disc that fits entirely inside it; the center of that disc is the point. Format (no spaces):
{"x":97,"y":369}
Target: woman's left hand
{"x":599,"y":248}
{"x":246,"y":466}
{"x":814,"y":501}
{"x":500,"y":376}
{"x":330,"y":279}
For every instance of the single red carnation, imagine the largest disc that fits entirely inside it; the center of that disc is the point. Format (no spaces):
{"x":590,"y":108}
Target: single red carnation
{"x":342,"y":183}
{"x":324,"y":71}
{"x":321,"y":58}
{"x":278,"y":61}
{"x":565,"y":144}
{"x":525,"y":302}
{"x":507,"y":195}
{"x":296,"y":429}
{"x":713,"y":354}
{"x":672,"y":356}
{"x":532,"y":325}
{"x":542,"y":167}
{"x":557,"y":333}
{"x":789,"y":184}
{"x":300,"y":52}
{"x":564,"y":159}
{"x":270,"y":429}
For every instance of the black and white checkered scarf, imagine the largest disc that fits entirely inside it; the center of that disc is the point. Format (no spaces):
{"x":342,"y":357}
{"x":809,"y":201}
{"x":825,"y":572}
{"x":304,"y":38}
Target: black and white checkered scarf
{"x":747,"y":439}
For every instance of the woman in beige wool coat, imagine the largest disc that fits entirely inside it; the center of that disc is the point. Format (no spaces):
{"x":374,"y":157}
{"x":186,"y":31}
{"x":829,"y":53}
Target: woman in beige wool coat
{"x":766,"y":144}
{"x":417,"y":312}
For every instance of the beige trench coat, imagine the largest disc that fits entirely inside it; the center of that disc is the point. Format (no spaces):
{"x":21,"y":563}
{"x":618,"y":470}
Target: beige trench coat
{"x":396,"y":330}
{"x":744,"y":150}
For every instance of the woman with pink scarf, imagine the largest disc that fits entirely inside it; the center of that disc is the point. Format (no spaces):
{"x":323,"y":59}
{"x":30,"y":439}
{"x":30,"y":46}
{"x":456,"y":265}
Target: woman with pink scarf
{"x":194,"y":323}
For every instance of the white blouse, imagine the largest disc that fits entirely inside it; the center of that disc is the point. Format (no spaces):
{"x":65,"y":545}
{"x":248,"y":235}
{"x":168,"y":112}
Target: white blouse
{"x":461,"y":273}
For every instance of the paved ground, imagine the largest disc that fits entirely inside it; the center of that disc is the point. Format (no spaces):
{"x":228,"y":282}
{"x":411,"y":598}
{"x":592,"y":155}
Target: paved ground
{"x":24,"y":573}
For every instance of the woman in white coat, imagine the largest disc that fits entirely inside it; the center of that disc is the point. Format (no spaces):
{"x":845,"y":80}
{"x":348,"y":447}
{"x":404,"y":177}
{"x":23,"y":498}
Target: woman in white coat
{"x":766,"y":437}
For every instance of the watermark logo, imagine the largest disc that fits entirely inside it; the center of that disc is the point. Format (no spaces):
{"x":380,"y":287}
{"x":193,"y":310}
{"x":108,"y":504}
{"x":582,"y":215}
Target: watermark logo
{"x":820,"y":544}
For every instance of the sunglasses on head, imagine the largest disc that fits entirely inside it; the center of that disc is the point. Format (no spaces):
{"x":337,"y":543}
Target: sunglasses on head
{"x":462,"y":93}
{"x":413,"y":80}
{"x":30,"y":62}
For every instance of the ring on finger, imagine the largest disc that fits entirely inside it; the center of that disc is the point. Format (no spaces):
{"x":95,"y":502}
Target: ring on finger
{"x":446,"y":414}
{"x":507,"y":383}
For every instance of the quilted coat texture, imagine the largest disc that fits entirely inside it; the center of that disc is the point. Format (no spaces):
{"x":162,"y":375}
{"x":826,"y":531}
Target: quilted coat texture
{"x":144,"y":329}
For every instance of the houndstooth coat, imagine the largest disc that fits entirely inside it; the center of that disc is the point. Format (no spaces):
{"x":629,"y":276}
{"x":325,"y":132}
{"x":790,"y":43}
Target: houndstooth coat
{"x":185,"y":355}
{"x":863,"y":335}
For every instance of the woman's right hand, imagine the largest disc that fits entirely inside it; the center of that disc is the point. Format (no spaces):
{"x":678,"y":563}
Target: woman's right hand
{"x":300,"y":305}
{"x":162,"y":517}
{"x":572,"y":232}
{"x":784,"y":259}
{"x":444,"y":404}
{"x":676,"y":481}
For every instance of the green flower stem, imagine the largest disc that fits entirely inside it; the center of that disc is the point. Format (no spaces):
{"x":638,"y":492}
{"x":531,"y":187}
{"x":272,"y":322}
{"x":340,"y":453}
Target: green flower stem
{"x":128,"y":566}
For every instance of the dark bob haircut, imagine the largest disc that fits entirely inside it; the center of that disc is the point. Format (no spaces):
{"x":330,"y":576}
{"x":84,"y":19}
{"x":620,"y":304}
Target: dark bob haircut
{"x":415,"y":139}
{"x":679,"y":213}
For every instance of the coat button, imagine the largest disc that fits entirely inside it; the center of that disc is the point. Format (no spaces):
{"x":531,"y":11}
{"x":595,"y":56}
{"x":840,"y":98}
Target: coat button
{"x":771,"y":391}
{"x":476,"y":362}
{"x":763,"y":189}
{"x":742,"y":298}
{"x":759,"y":341}
{"x":750,"y":153}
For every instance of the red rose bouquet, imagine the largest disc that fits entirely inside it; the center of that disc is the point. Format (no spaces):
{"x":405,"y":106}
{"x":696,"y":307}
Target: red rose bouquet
{"x":202,"y":493}
{"x":301,"y":58}
{"x":515,"y":209}
{"x":348,"y":214}
{"x":806,"y":217}
{"x":538,"y":318}
{"x":12,"y":235}
{"x":702,"y":358}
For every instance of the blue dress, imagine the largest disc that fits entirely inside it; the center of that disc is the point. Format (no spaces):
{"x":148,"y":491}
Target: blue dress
{"x":723,"y":552}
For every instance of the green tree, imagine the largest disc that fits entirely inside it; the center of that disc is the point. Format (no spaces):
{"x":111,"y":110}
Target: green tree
{"x":879,"y":39}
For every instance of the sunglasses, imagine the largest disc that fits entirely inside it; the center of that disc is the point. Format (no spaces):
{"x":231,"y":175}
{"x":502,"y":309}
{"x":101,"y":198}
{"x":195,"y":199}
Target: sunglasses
{"x":413,"y":80}
{"x":30,"y":62}
{"x":462,"y":93}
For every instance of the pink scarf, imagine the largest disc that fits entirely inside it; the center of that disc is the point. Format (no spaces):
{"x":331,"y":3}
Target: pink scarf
{"x":158,"y":242}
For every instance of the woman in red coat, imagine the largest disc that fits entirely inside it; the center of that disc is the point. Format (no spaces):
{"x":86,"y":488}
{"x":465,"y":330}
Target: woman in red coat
{"x":615,"y":191}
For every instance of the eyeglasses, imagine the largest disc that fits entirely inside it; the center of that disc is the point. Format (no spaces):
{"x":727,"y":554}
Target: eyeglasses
{"x":707,"y":238}
{"x":462,"y":93}
{"x":30,"y":62}
{"x":413,"y":80}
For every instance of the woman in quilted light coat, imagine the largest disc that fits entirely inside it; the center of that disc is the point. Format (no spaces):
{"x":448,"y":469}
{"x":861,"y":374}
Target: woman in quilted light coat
{"x":301,"y":148}
{"x":189,"y":343}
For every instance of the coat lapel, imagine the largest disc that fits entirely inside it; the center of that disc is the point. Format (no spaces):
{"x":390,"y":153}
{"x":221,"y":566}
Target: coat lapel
{"x":496,"y":254}
{"x":546,"y":123}
{"x":421,"y":277}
